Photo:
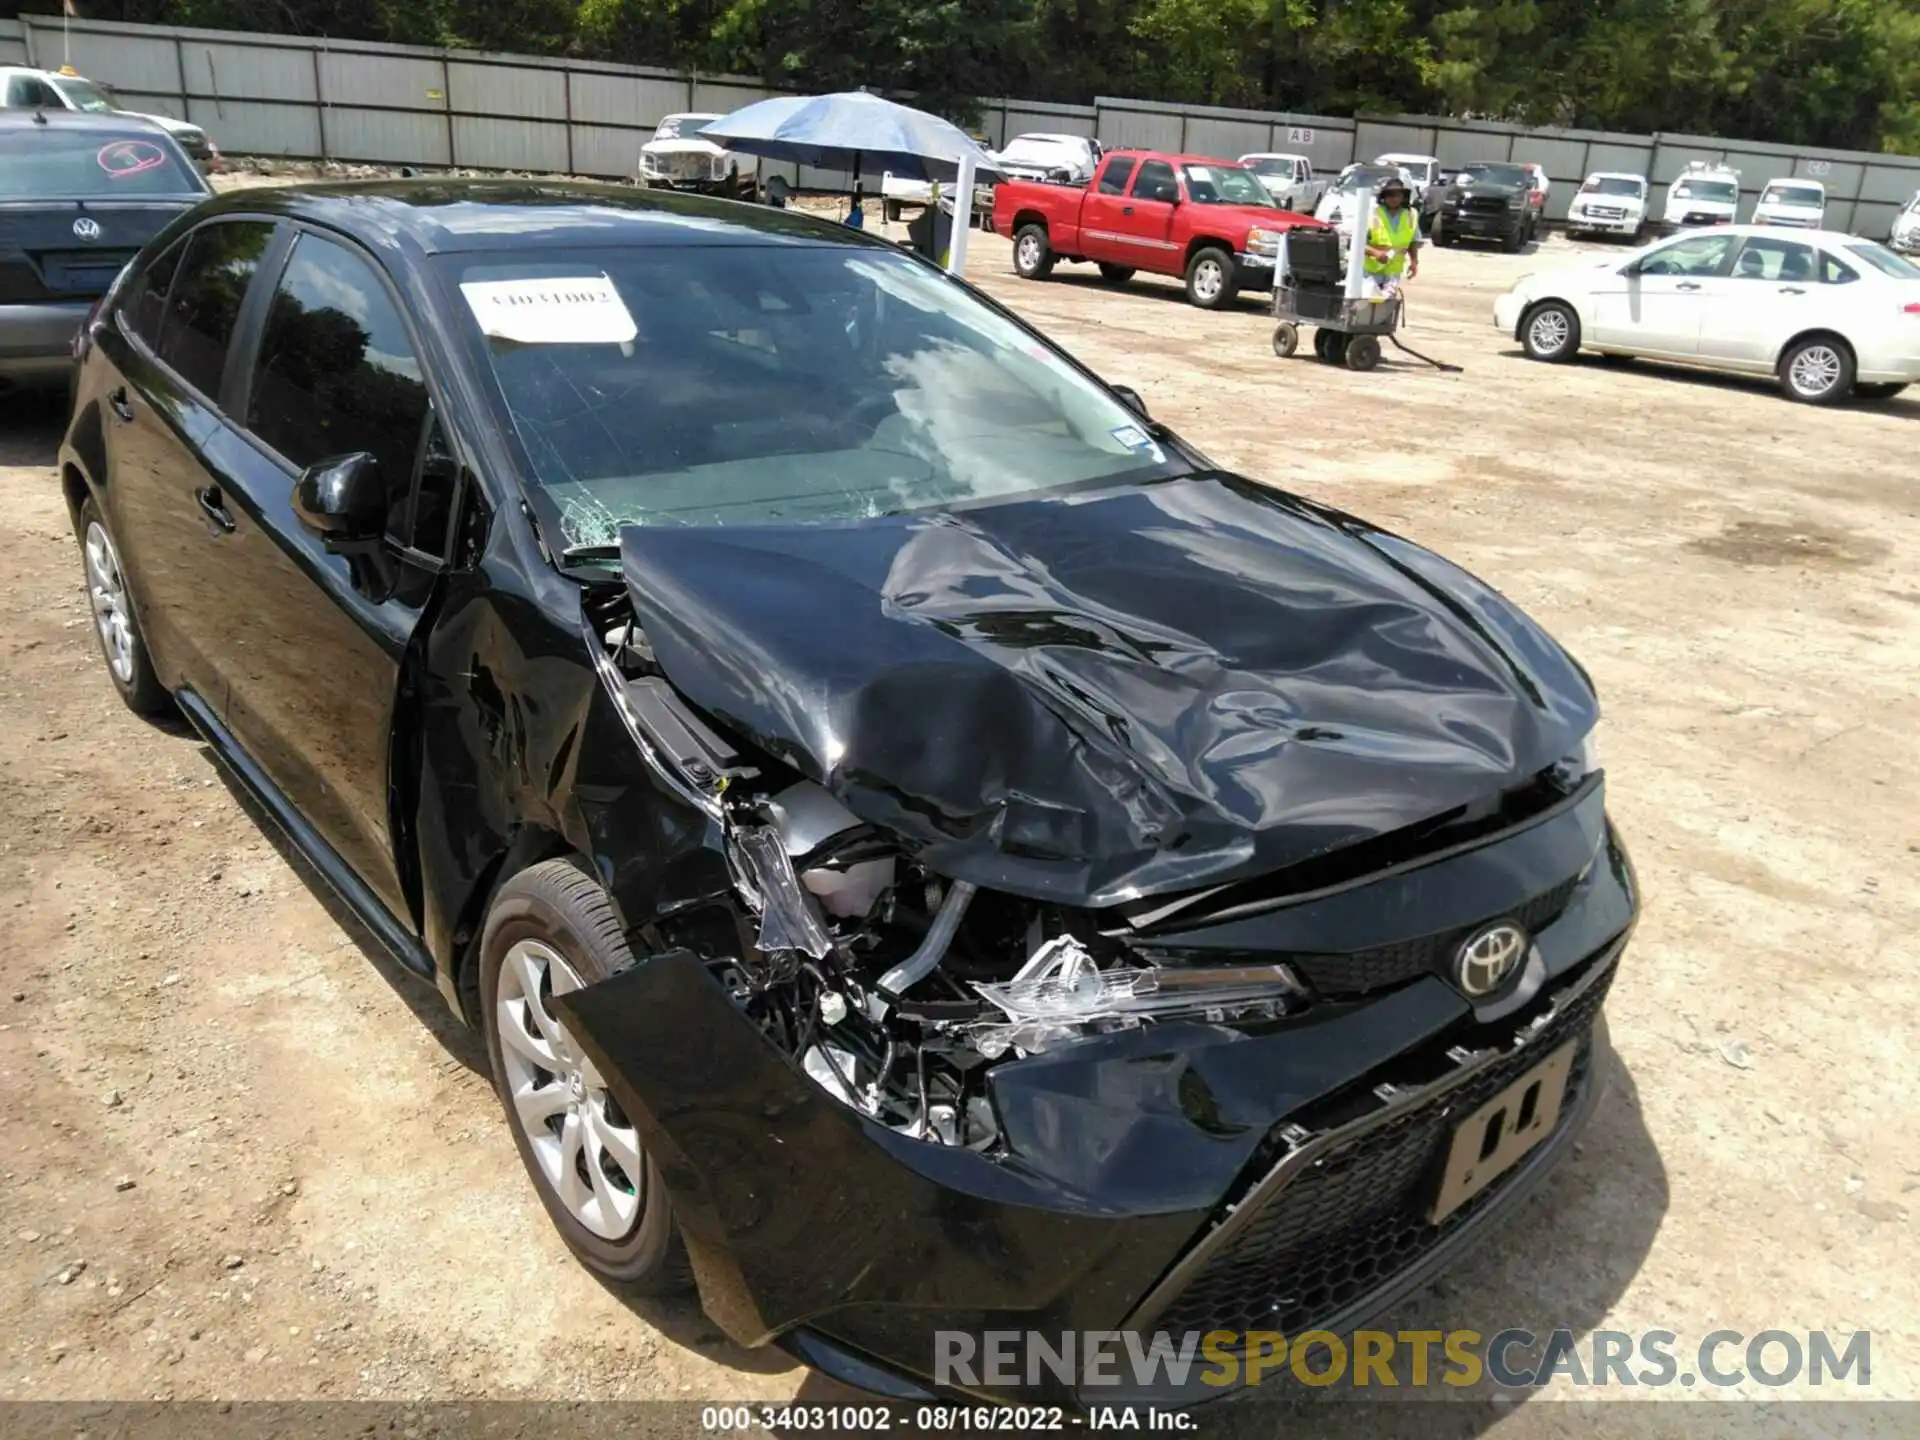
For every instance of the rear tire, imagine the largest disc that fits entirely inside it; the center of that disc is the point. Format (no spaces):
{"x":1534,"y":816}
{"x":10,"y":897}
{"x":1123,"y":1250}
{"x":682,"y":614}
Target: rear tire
{"x":1033,"y":255}
{"x":1517,"y":241}
{"x":1212,"y":282}
{"x":1550,"y":332}
{"x":116,"y":617}
{"x":1878,"y":390}
{"x":552,"y":929}
{"x":1817,"y":371}
{"x":1115,"y":274}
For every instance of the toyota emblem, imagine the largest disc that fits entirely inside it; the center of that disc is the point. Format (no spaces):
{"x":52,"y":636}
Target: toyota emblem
{"x":1488,"y":959}
{"x":86,"y":228}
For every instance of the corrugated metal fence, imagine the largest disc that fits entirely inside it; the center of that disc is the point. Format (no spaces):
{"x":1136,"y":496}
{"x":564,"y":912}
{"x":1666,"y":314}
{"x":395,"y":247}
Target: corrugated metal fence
{"x":398,"y":104}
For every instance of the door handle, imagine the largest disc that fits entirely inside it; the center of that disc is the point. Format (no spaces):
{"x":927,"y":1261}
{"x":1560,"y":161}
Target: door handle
{"x":213,"y":507}
{"x":1686,"y":285}
{"x":1791,"y":290}
{"x":1126,"y":209}
{"x":120,"y":404}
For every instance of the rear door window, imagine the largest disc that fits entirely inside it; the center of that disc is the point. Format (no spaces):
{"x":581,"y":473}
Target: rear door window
{"x":1113,"y":179}
{"x":144,"y":305}
{"x":337,"y":374}
{"x":203,"y":305}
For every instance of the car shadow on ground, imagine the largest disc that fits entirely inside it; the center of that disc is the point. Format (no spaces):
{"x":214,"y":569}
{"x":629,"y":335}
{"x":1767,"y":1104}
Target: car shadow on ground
{"x":1560,"y":1262}
{"x":31,"y":424}
{"x":678,"y":1319}
{"x":1904,"y":407}
{"x":459,"y":1041}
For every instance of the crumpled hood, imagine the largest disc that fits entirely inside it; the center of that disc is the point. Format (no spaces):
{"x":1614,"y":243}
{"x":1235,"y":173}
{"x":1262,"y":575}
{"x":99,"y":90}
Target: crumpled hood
{"x":690,"y":145}
{"x":1094,"y":696}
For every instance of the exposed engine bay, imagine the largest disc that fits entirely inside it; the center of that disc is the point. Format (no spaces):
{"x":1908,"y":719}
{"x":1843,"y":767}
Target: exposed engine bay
{"x":893,"y":988}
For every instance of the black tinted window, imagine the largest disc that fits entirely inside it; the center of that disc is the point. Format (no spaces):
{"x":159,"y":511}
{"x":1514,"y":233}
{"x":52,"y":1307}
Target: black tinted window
{"x":29,"y":90}
{"x":145,"y":303}
{"x":1113,"y":180}
{"x":1156,"y":182}
{"x":336,"y":372}
{"x":204,"y":304}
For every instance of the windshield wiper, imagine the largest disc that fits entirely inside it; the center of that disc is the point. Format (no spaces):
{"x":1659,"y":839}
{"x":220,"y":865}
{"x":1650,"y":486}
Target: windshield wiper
{"x":591,"y":555}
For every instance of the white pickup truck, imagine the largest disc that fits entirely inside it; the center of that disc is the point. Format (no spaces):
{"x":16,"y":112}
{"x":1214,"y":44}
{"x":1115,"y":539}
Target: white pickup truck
{"x":1289,"y":179}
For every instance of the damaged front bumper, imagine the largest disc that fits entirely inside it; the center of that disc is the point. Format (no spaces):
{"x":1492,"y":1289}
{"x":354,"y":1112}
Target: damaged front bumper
{"x":1182,"y":1176}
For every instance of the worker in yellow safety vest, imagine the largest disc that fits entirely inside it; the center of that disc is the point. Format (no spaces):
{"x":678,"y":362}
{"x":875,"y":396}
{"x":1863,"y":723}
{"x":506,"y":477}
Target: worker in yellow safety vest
{"x":1393,"y":237}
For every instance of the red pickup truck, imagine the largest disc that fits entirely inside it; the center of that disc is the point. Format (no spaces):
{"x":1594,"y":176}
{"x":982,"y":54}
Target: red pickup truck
{"x":1210,"y":221}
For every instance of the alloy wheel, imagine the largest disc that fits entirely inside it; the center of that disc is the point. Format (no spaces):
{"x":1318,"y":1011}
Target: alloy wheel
{"x":585,"y":1146}
{"x":1549,"y":331}
{"x":1029,"y":255}
{"x":1208,"y":277}
{"x":1815,"y":371}
{"x":107,"y":593}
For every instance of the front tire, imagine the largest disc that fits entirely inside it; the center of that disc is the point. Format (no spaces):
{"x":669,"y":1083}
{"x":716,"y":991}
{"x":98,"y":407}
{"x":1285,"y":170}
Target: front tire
{"x":552,"y":929}
{"x":1817,"y":371}
{"x":1033,"y":255}
{"x":1551,"y":332}
{"x":116,"y":620}
{"x":1212,"y":282}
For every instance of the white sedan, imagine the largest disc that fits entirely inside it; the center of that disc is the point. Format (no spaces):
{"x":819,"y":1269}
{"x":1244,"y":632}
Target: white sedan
{"x":1827,"y":315}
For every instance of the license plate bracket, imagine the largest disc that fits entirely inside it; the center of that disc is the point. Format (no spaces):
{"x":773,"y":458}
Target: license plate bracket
{"x":1492,"y":1140}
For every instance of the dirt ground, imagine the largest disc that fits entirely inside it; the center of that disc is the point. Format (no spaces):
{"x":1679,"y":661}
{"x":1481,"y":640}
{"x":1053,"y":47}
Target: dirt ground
{"x":235,"y":1163}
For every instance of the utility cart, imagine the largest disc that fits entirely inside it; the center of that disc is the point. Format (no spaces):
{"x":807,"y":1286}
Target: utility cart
{"x":1312,"y":290}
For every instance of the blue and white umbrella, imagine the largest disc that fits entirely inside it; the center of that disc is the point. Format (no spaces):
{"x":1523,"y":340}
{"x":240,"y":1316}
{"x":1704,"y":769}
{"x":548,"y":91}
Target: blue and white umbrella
{"x":852,"y":131}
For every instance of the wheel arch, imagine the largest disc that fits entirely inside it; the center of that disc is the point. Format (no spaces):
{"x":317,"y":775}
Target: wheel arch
{"x":1528,"y":311}
{"x":531,"y":845}
{"x":1813,"y":332}
{"x":1205,"y":242}
{"x":1022,"y":219}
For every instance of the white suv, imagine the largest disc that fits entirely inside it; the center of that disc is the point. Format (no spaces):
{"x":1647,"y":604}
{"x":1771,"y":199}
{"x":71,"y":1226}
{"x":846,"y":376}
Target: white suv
{"x":1704,"y":194}
{"x":1906,"y":227}
{"x":1610,"y":202}
{"x":1797,"y":204}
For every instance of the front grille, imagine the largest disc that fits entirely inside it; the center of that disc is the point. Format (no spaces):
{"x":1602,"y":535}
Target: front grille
{"x":1605,"y":212}
{"x":1363,"y":971}
{"x":1357,"y":1215}
{"x":1485,"y":205}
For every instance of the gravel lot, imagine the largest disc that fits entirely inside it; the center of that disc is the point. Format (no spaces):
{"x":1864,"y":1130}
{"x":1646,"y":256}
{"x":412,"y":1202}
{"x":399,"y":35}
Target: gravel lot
{"x":235,"y":1163}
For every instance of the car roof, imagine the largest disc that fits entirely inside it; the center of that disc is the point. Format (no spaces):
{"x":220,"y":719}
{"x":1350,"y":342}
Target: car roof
{"x":1832,"y":237}
{"x":1051,"y":135}
{"x":1172,"y":157}
{"x":1616,"y":175}
{"x":1395,"y":157}
{"x":452,"y":215}
{"x":113,"y":122}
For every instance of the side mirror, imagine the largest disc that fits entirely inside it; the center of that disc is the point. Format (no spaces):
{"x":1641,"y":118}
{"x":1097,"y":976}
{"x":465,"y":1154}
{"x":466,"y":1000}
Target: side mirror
{"x":343,"y":499}
{"x":1130,"y":397}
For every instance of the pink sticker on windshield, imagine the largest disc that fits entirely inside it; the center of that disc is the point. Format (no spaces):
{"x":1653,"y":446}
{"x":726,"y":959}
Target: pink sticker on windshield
{"x":130,"y":157}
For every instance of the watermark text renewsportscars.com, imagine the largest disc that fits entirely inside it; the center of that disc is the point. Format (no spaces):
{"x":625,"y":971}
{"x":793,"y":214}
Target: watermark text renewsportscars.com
{"x":1088,"y":1360}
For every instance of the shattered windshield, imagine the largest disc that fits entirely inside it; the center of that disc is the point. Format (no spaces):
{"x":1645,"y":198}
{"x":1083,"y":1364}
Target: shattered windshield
{"x":776,"y":384}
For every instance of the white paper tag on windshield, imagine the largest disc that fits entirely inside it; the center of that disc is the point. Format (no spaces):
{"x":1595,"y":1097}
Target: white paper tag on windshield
{"x":1200,"y":173}
{"x":569,"y":310}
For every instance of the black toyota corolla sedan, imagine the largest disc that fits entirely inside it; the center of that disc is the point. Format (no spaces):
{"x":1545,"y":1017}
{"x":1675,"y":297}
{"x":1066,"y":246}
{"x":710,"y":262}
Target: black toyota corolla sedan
{"x":926,"y":849}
